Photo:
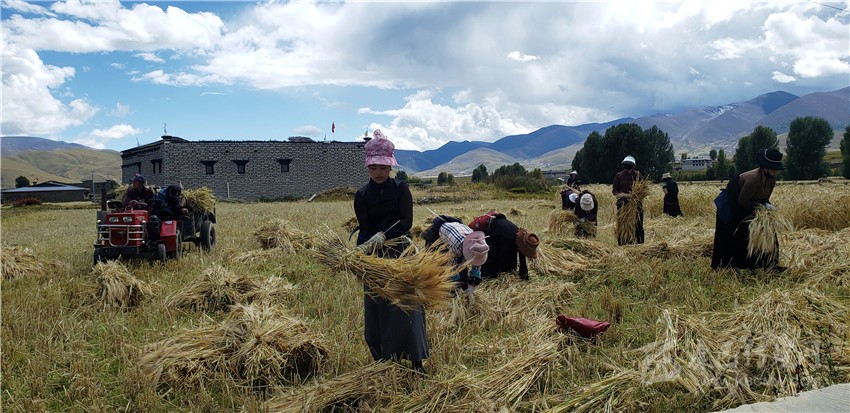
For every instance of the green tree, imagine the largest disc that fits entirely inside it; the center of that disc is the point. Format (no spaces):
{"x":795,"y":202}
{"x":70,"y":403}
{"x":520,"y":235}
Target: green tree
{"x":845,"y":152}
{"x":683,"y":156}
{"x":601,"y":156}
{"x":450,"y":179}
{"x":401,"y":176}
{"x":21,"y":182}
{"x":808,"y":138}
{"x":709,"y":174}
{"x":712,"y":154}
{"x":442,"y":177}
{"x":749,"y":146}
{"x":479,"y":174}
{"x":721,"y":165}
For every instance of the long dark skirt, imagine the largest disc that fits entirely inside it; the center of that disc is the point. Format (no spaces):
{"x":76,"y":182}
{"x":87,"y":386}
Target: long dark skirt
{"x":639,"y":235}
{"x":730,"y":246}
{"x":391,"y":333}
{"x":672,"y":209}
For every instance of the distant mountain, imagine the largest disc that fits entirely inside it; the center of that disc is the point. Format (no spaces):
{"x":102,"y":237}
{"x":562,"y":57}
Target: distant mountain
{"x":539,"y":142}
{"x":11,"y":145}
{"x":62,"y":161}
{"x":463,"y":164}
{"x":419,"y":161}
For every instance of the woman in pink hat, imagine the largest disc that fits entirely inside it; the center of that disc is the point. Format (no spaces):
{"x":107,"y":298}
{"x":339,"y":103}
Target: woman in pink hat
{"x":386,"y":205}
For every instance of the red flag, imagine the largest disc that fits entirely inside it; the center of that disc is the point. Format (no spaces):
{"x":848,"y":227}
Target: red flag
{"x":333,"y":127}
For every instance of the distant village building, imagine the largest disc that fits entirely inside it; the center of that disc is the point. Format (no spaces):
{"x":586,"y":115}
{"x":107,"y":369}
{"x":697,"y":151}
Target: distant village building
{"x":555,"y":174}
{"x":249,"y":170}
{"x":50,"y":191}
{"x":697,"y":164}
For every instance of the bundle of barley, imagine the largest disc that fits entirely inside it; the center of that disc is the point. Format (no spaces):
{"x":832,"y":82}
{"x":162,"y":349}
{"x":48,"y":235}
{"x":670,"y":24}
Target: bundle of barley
{"x":201,"y":199}
{"x":185,"y":359}
{"x":19,"y":262}
{"x":409,"y":281}
{"x":366,"y":385}
{"x":588,"y":248}
{"x":280,"y":233}
{"x":765,"y":229}
{"x":559,"y":262}
{"x":216,"y":289}
{"x":508,"y":304}
{"x":561,"y":222}
{"x":628,"y":214}
{"x":117,"y":288}
{"x":586,"y":226}
{"x":119,"y":191}
{"x":351,"y":224}
{"x":269,"y":346}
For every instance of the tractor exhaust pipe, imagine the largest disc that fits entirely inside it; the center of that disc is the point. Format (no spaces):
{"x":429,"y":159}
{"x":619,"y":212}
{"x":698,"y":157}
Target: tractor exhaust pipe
{"x":103,"y":197}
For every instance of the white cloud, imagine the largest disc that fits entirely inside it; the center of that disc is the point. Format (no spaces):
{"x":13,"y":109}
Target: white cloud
{"x":521,"y":57}
{"x":120,"y":110}
{"x":813,"y":66}
{"x":213,"y":94}
{"x":97,"y":138}
{"x":29,"y":105}
{"x":178,"y":79}
{"x":783,"y":78}
{"x":22,"y":6}
{"x":150,"y":57}
{"x":311,"y":131}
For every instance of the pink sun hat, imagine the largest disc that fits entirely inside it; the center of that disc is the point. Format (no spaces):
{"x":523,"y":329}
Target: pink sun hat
{"x":379,"y":150}
{"x":475,"y":249}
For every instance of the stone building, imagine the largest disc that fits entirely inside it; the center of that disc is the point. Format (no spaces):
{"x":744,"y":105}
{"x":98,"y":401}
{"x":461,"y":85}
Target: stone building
{"x":249,"y":170}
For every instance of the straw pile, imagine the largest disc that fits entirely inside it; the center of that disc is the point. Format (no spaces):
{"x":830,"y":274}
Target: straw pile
{"x":627,"y":215}
{"x":765,"y":229}
{"x":20,"y":262}
{"x":367,"y":385}
{"x":257,"y":345}
{"x":408,"y":281}
{"x":117,"y":288}
{"x":120,"y":190}
{"x":201,"y":199}
{"x":218,"y":288}
{"x":588,"y":248}
{"x":350,"y":224}
{"x":823,"y":256}
{"x":504,"y":303}
{"x":561,"y":222}
{"x":559,"y":262}
{"x":691,"y":248}
{"x":280,"y":233}
{"x":831,"y":212}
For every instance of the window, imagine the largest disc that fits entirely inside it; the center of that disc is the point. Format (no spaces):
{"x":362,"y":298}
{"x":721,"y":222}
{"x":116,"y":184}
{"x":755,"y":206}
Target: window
{"x":284,"y":165}
{"x":157,"y":165}
{"x":240,"y":166}
{"x":209,"y":166}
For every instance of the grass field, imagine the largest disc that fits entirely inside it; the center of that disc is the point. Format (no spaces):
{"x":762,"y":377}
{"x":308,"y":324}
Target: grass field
{"x":683,"y":337}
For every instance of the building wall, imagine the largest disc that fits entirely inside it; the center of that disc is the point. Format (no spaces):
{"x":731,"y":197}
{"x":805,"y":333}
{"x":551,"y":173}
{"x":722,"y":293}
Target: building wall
{"x":696,"y":164}
{"x":51,"y":196}
{"x":314,"y":167}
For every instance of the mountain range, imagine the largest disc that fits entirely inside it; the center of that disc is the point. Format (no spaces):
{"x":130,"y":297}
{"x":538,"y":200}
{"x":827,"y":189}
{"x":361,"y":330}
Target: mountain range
{"x":695,"y":130}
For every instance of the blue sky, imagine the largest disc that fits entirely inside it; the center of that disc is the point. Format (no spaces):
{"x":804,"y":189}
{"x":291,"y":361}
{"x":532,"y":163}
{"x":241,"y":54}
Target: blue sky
{"x":109,"y":74}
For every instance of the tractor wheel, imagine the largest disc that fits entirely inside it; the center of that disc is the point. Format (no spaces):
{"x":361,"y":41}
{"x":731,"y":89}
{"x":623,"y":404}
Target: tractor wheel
{"x":160,"y":253}
{"x":96,"y":258}
{"x":207,"y":235}
{"x":178,"y":252}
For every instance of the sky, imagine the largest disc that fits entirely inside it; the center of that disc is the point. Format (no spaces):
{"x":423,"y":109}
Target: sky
{"x":113,"y":75}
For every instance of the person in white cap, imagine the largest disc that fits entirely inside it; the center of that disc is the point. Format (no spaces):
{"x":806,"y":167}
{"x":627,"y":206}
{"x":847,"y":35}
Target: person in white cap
{"x":671,"y":195}
{"x":586,"y":214}
{"x":622,"y":188}
{"x":573,"y":180}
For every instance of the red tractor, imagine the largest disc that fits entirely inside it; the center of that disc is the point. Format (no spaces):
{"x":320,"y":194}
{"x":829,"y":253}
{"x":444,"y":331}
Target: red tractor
{"x":133,"y":231}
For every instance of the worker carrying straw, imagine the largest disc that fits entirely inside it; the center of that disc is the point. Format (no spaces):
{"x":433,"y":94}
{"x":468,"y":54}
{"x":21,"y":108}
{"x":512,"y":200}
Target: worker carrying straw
{"x":629,"y":206}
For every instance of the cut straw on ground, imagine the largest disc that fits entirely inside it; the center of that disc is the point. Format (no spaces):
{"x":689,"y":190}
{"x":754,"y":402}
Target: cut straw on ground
{"x":280,"y":233}
{"x":117,"y":288}
{"x":20,"y":262}
{"x":218,"y":288}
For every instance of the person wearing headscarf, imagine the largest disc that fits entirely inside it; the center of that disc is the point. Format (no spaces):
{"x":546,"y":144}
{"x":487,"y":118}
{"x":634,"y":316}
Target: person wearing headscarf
{"x":508,"y":243}
{"x":385,"y":205}
{"x":671,"y":195}
{"x":622,"y":188}
{"x":468,"y":248}
{"x":586,"y":214}
{"x":732,"y":225}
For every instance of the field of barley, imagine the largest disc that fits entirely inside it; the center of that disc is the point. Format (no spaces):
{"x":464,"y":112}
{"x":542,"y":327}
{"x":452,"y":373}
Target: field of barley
{"x":260,"y":324}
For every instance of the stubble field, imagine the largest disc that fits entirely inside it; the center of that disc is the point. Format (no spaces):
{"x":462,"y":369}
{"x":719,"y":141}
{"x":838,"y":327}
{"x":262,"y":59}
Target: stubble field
{"x":683,"y":337}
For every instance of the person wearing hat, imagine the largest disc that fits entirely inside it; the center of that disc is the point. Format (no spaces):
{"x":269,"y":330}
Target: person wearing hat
{"x":138,"y":192}
{"x":743,"y":194}
{"x":569,"y":198}
{"x":671,"y":195}
{"x":385,"y":206}
{"x":466,"y":246}
{"x":622,"y":188}
{"x":508,"y":243}
{"x":169,"y":203}
{"x":586,"y":214}
{"x":573,"y":181}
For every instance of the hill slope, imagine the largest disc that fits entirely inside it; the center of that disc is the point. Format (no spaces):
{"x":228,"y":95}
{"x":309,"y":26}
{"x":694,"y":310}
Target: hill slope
{"x":72,"y":165}
{"x":11,"y":145}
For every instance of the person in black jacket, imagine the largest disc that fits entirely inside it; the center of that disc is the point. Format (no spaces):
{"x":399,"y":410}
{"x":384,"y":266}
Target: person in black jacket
{"x":507,"y":244}
{"x":586,"y":214}
{"x":386,"y":205}
{"x":671,"y":195}
{"x":573,"y":181}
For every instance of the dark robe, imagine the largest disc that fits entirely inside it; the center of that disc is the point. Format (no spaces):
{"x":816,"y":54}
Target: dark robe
{"x":623,"y":182}
{"x":503,"y":253}
{"x":573,"y":181}
{"x":671,"y":198}
{"x":390,"y":333}
{"x":589,"y":216}
{"x":731,"y":239}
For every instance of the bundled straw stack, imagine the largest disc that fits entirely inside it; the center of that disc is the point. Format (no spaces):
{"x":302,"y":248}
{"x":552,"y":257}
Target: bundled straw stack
{"x":627,"y":216}
{"x":120,"y":190}
{"x":201,"y":199}
{"x":561,"y":222}
{"x":117,"y":288}
{"x":20,"y":262}
{"x":257,"y":345}
{"x":280,"y":233}
{"x":411,"y":280}
{"x":218,"y":288}
{"x":765,"y":229}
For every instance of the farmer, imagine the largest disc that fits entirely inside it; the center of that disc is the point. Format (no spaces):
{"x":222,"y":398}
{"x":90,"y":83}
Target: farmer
{"x":573,"y":181}
{"x":622,"y":189}
{"x":386,"y":205}
{"x":732,"y":226}
{"x":671,"y":195}
{"x":169,"y":203}
{"x":507,"y":243}
{"x":586,"y":212}
{"x":468,"y":248}
{"x":569,"y":198}
{"x":138,"y":192}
